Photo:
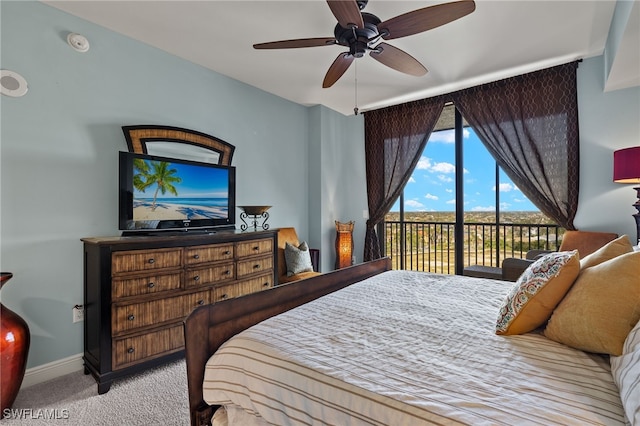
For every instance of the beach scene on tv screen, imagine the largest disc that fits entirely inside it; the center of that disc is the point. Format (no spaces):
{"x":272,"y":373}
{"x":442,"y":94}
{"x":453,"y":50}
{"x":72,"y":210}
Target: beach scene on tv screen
{"x":175,"y":191}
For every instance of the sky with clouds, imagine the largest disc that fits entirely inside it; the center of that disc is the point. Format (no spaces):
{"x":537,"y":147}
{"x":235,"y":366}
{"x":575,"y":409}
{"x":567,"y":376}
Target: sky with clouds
{"x":432,"y":184}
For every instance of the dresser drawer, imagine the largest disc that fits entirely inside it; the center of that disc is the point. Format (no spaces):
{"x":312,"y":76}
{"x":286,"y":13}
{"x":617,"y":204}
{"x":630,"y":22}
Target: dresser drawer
{"x":240,"y":288}
{"x":254,"y":248}
{"x":145,"y":260}
{"x":147,"y":284}
{"x":210,"y":253}
{"x":254,"y":266}
{"x":129,"y":317}
{"x":210,"y":275}
{"x":129,"y":350}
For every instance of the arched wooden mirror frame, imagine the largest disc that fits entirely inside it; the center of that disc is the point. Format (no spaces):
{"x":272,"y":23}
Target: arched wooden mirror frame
{"x":139,"y":138}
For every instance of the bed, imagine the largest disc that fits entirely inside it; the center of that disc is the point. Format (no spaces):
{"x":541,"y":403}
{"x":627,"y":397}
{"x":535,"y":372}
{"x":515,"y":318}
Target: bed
{"x":368,"y":345}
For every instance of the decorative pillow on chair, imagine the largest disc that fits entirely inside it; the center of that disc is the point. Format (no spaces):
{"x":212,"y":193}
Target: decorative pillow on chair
{"x":601,"y":307}
{"x":537,"y":292}
{"x":626,"y":374}
{"x":298,"y":259}
{"x":615,"y":248}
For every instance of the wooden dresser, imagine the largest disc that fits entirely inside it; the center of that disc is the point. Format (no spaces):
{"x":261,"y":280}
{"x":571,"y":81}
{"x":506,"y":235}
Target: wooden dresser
{"x":138,"y":290}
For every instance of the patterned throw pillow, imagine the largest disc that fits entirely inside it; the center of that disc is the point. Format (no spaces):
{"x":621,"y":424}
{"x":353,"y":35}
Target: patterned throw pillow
{"x":537,"y":292}
{"x":297,"y":259}
{"x":626,"y":374}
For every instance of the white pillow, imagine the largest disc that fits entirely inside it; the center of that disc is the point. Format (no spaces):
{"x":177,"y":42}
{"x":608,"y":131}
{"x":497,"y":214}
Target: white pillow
{"x":626,"y":373}
{"x":298,"y":259}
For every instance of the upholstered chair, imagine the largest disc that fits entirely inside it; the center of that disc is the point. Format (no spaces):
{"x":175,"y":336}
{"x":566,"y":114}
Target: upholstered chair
{"x":289,"y":235}
{"x":586,"y":242}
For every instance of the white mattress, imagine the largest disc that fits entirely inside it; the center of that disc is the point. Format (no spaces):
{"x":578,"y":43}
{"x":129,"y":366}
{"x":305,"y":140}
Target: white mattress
{"x":407,"y":348}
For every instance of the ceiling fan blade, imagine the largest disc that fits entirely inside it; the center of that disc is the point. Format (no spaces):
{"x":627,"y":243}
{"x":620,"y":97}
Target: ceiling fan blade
{"x":425,"y":19}
{"x":301,"y":42}
{"x":337,"y":68}
{"x":346,"y":12}
{"x":398,"y":60}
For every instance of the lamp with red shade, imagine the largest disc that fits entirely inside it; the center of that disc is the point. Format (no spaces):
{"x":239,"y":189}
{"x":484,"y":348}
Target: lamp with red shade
{"x":626,"y":169}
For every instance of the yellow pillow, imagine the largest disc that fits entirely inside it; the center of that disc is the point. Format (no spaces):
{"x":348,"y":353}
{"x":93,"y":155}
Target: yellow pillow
{"x":537,"y":292}
{"x":620,"y":245}
{"x":601,"y":308}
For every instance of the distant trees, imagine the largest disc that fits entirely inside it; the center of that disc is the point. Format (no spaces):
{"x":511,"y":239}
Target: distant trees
{"x":428,"y":242}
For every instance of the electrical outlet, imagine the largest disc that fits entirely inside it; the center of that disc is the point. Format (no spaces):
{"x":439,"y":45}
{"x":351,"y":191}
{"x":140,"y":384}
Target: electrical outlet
{"x":78,"y":314}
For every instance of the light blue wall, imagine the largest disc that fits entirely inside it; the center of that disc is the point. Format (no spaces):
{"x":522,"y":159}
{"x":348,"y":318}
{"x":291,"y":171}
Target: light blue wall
{"x":608,"y":121}
{"x":336,"y":177}
{"x":59,"y":145}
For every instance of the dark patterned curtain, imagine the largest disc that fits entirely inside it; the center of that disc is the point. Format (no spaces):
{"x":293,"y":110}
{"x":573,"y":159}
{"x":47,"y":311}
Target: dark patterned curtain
{"x":394,"y":139}
{"x":529,"y":124}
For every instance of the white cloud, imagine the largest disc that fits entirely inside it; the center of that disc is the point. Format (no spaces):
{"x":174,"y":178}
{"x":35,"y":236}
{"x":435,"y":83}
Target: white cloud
{"x":450,"y":191}
{"x":483,"y":209}
{"x":444,"y":178}
{"x":443,"y":168}
{"x":451,"y":201}
{"x":431,"y":197}
{"x":424,"y":163}
{"x":506,"y":187}
{"x":411,"y":180}
{"x":447,"y":136}
{"x":504,"y":206}
{"x":414,"y":204}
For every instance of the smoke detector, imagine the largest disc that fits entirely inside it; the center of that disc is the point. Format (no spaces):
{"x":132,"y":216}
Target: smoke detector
{"x":12,"y":84}
{"x":78,"y":42}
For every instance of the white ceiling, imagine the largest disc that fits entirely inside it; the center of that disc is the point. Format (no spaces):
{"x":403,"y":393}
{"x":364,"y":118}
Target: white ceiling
{"x":501,"y":38}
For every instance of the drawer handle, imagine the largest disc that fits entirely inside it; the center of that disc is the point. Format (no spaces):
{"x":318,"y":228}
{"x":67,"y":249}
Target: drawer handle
{"x":196,"y":256}
{"x":201,"y":302}
{"x":266,"y":284}
{"x":151,"y":285}
{"x":152,"y":261}
{"x":130,"y":350}
{"x":131,"y":317}
{"x":256,"y":266}
{"x":227,"y":272}
{"x":224,"y":296}
{"x":227,"y":252}
{"x":196,"y":278}
{"x":256,"y":248}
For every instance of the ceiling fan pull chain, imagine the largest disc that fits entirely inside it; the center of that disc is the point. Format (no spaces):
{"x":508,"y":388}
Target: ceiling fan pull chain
{"x":355,"y":109}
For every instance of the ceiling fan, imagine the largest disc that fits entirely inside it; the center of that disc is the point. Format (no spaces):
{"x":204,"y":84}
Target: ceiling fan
{"x":362,"y":32}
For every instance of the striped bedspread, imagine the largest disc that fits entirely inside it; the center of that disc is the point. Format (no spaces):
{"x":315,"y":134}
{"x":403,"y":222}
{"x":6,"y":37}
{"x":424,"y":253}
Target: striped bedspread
{"x":408,"y":348}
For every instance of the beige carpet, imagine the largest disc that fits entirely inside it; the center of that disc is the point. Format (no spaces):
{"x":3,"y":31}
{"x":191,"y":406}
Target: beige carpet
{"x":155,"y":397}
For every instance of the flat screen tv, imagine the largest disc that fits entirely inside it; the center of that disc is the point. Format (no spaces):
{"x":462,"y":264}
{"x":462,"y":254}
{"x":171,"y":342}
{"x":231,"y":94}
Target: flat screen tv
{"x":169,"y":194}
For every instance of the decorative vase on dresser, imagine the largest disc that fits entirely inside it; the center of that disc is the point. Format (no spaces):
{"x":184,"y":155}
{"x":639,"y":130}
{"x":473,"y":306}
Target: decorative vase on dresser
{"x":14,"y":341}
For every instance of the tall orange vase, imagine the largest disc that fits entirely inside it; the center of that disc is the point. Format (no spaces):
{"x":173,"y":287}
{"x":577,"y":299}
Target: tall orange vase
{"x":14,"y":349}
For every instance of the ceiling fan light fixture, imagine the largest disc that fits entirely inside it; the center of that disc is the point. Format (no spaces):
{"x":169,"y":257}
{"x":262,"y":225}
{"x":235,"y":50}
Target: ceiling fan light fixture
{"x":367,"y":31}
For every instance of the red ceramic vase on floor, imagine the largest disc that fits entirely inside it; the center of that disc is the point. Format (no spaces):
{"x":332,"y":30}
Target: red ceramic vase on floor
{"x":14,"y":349}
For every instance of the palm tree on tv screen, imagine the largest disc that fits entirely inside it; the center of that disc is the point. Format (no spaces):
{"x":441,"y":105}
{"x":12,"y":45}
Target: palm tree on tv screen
{"x":155,"y":173}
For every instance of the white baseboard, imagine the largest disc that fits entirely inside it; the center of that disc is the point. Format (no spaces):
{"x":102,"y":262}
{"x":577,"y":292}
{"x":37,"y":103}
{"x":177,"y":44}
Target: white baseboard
{"x":52,"y":370}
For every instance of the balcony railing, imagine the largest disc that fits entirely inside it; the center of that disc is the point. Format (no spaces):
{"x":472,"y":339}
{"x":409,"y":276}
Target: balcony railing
{"x":430,"y":246}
